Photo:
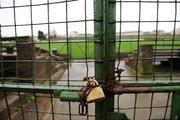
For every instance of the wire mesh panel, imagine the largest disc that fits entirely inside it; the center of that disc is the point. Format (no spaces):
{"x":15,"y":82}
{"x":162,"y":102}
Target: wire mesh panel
{"x":45,"y":43}
{"x":147,"y":46}
{"x":49,"y":46}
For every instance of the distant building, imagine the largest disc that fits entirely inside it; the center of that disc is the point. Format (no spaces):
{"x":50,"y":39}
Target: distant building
{"x":147,"y":33}
{"x":131,"y":33}
{"x":177,"y":31}
{"x":73,"y":34}
{"x":83,"y":35}
{"x":159,"y":32}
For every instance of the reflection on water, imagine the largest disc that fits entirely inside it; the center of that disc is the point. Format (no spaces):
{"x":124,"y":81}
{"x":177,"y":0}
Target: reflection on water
{"x":77,"y":71}
{"x":126,"y":102}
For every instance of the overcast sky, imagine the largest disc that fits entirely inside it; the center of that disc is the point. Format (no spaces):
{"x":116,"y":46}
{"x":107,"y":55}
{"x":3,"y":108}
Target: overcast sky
{"x":76,"y":11}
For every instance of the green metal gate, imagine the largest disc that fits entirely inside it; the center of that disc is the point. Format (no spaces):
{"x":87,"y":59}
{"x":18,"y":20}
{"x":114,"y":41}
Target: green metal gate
{"x":42,"y":71}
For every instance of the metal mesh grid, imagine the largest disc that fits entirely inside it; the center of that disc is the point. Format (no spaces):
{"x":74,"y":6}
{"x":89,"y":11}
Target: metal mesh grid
{"x":155,"y":22}
{"x":26,"y":19}
{"x":158,"y":105}
{"x":77,"y":65}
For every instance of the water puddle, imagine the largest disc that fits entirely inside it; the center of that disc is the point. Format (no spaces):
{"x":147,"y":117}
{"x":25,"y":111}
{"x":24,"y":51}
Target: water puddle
{"x":123,"y":103}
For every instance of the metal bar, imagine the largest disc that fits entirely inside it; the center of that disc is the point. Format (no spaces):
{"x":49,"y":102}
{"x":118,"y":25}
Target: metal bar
{"x":17,"y":57}
{"x":137,"y":56}
{"x":39,"y":4}
{"x":63,"y":1}
{"x":150,"y":83}
{"x":33,"y":60}
{"x":173,"y":40}
{"x":129,"y":83}
{"x":146,"y":1}
{"x":167,"y":105}
{"x":7,"y":105}
{"x":109,"y":43}
{"x":88,"y":20}
{"x":98,"y":53}
{"x":104,"y":50}
{"x":175,"y":114}
{"x":115,"y":88}
{"x":51,"y":23}
{"x":154,"y":59}
{"x":86,"y":55}
{"x":36,"y":88}
{"x":119,"y":89}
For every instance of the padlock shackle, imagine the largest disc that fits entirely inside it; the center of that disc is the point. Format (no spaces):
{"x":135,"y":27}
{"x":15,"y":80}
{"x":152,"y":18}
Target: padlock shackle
{"x":83,"y":108}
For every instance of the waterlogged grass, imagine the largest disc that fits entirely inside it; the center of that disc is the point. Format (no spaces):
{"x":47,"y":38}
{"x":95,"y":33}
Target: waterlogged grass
{"x":78,"y":50}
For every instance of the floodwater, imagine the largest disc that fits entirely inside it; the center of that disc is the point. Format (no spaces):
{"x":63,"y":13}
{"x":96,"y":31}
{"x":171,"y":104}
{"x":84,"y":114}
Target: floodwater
{"x":148,"y":106}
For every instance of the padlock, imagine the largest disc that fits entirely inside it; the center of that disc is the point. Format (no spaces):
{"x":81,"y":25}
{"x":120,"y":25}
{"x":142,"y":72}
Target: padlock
{"x":95,"y":92}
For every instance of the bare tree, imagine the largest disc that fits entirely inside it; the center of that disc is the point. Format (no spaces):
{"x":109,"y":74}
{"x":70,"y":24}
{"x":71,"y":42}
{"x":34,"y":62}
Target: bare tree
{"x":53,"y":33}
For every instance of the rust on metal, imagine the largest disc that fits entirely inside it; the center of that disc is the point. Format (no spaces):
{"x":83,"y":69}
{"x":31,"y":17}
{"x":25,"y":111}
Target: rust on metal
{"x":117,"y":88}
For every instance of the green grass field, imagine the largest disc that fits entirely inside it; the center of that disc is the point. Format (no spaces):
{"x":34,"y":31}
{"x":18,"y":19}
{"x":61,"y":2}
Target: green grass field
{"x":130,"y":46}
{"x":77,"y":50}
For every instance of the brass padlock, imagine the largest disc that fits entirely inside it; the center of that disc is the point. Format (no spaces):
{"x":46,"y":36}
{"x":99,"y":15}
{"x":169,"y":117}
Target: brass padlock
{"x":95,"y":92}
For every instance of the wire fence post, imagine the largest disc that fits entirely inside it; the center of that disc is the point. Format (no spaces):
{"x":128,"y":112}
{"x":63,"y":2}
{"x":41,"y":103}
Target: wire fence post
{"x":104,"y":51}
{"x":175,"y":114}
